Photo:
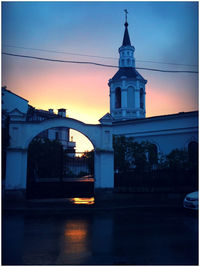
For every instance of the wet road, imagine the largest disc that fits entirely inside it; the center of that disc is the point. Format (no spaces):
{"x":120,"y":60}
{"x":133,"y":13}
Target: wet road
{"x":138,"y":237}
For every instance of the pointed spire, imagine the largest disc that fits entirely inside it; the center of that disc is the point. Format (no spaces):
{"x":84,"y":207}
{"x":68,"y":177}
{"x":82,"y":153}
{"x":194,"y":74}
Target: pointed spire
{"x":126,"y":40}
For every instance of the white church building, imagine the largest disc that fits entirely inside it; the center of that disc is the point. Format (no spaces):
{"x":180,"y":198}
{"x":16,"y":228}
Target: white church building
{"x":127,"y":117}
{"x":128,"y":109}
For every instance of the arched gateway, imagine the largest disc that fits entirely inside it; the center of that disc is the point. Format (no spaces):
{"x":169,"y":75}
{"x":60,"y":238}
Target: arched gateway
{"x":22,"y":132}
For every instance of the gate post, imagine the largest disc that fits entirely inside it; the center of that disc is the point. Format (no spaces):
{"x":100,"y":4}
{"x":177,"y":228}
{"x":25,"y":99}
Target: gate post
{"x":104,"y":169}
{"x":16,"y":169}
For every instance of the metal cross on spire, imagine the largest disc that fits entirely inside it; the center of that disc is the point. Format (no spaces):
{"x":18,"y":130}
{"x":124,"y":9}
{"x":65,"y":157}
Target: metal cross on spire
{"x":126,"y":12}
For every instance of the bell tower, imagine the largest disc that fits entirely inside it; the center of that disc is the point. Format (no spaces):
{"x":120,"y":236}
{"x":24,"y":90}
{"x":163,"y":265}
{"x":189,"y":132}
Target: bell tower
{"x":127,"y":86}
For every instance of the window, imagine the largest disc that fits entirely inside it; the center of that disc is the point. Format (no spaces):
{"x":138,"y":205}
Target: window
{"x":128,"y":61}
{"x":118,"y":97}
{"x":141,"y":98}
{"x":57,"y":136}
{"x":130,"y":97}
{"x":193,"y":151}
{"x":153,"y":154}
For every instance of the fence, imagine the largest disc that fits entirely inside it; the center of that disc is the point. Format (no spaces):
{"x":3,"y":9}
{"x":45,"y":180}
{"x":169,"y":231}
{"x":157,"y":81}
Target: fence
{"x":76,"y":180}
{"x":157,"y":181}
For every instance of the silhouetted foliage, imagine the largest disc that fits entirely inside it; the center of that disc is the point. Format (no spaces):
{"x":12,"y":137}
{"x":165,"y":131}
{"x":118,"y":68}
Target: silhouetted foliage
{"x":129,"y":154}
{"x":89,"y":155}
{"x":177,"y":159}
{"x":45,"y":159}
{"x":139,"y":165}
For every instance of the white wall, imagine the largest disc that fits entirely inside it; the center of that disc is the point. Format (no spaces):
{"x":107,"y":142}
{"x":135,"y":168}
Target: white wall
{"x":167,"y":132}
{"x":22,"y":133}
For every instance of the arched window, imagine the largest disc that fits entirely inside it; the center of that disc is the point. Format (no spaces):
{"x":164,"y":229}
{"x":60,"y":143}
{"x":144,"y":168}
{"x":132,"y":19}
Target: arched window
{"x":118,"y":97}
{"x":153,"y":154}
{"x":130,"y":97}
{"x":141,"y":98}
{"x":193,"y":151}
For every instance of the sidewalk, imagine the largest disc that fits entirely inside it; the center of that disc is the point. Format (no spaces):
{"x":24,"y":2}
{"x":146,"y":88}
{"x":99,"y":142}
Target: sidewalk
{"x":102,"y":201}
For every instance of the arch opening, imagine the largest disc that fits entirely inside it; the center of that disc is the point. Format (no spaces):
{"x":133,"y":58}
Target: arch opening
{"x":76,"y":125}
{"x":56,"y":169}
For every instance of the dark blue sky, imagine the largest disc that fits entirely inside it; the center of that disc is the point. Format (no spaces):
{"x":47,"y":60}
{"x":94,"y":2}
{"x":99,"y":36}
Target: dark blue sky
{"x":160,"y":31}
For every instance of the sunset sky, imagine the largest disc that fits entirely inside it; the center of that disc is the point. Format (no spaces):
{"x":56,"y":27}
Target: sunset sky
{"x":165,"y":32}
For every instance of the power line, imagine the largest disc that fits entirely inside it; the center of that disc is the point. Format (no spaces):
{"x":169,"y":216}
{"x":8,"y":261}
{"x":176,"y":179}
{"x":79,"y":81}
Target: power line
{"x":93,"y":63}
{"x":159,"y":62}
{"x":87,"y":55}
{"x":59,"y":60}
{"x":59,"y":52}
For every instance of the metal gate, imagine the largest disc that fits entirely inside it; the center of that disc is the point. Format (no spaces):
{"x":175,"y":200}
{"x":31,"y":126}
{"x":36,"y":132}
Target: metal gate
{"x":75,"y":180}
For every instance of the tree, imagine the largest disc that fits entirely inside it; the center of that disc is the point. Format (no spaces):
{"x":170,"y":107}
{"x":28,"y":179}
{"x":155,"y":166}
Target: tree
{"x":177,"y":159}
{"x":121,"y":145}
{"x":129,"y":154}
{"x":45,"y":159}
{"x":89,"y":156}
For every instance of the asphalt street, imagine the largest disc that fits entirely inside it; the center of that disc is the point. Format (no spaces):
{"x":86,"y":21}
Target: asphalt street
{"x":137,"y":236}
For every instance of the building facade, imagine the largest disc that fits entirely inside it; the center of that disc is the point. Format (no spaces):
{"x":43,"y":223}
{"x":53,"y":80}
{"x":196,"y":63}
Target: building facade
{"x":128,"y":109}
{"x":18,"y":108}
{"x":127,"y":86}
{"x":127,"y":117}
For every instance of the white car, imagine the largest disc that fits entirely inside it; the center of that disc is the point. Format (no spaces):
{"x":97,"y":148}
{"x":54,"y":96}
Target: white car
{"x":191,"y":201}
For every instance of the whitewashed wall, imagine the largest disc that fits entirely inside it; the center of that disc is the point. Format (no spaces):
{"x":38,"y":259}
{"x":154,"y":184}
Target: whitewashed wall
{"x":167,"y":132}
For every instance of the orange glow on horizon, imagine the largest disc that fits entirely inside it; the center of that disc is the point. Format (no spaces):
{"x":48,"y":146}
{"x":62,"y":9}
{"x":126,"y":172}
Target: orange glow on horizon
{"x":167,"y":101}
{"x":84,"y":92}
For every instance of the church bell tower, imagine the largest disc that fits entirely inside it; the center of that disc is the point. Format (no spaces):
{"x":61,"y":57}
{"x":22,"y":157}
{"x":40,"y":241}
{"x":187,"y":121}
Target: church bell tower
{"x":127,"y":86}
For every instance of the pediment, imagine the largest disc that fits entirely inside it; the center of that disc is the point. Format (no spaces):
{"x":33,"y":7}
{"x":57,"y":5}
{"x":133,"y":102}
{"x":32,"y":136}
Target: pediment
{"x":16,"y":112}
{"x":17,"y":115}
{"x":106,"y":119}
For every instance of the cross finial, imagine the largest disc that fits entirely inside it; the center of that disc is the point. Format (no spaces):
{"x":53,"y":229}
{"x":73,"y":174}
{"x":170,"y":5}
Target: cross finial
{"x":126,"y":12}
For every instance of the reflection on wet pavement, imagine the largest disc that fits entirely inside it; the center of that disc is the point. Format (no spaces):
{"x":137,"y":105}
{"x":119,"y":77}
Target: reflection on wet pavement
{"x":85,"y":201}
{"x":137,"y":237}
{"x":75,"y":243}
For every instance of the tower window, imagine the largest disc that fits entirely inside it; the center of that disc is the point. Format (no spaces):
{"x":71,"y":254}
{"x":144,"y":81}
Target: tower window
{"x":130,"y":97}
{"x":128,"y":61}
{"x":118,"y":97}
{"x":141,"y":98}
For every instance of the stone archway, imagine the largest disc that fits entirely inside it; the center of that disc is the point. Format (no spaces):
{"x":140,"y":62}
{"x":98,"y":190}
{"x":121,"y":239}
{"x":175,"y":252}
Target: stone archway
{"x":22,"y":132}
